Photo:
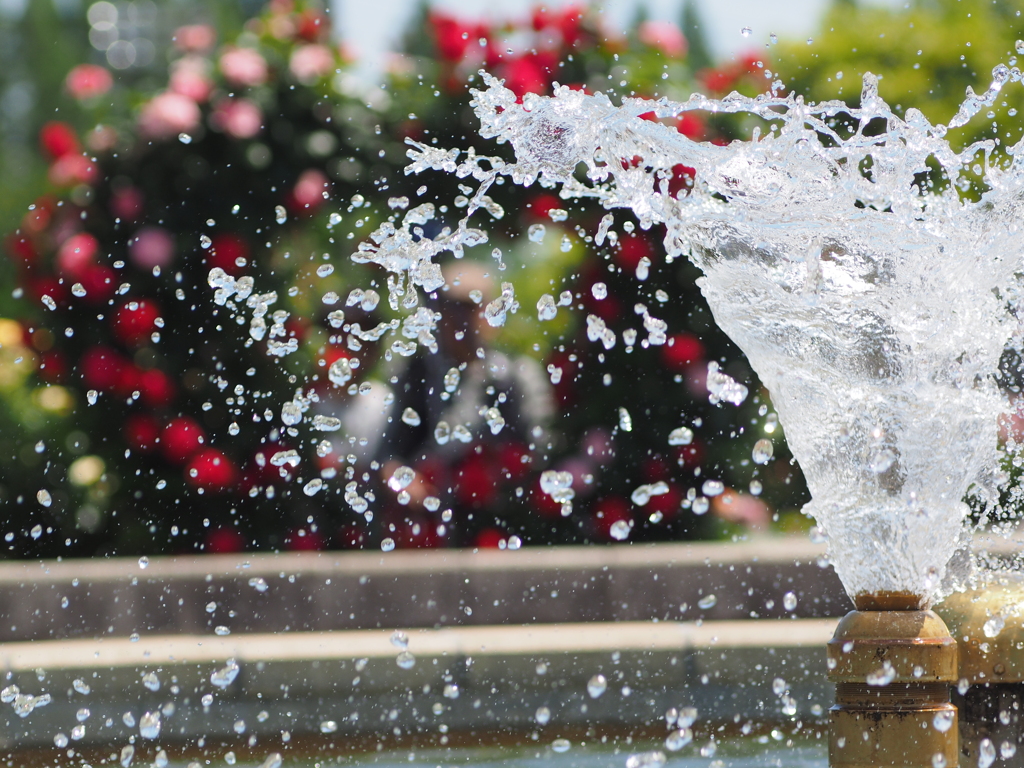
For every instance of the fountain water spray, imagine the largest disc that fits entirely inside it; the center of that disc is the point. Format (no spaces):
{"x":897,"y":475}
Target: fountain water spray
{"x":839,"y":251}
{"x":870,"y":273}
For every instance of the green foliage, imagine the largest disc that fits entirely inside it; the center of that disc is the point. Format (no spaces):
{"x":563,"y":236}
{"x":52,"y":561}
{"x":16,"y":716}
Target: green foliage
{"x":925,"y":56}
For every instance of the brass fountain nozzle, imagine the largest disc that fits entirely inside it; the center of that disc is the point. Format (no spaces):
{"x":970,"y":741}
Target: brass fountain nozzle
{"x":892,"y":669}
{"x":988,"y":624}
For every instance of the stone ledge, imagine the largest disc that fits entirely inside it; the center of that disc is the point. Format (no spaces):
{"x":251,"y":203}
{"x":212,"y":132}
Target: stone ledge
{"x":293,"y":682}
{"x":317,"y":592}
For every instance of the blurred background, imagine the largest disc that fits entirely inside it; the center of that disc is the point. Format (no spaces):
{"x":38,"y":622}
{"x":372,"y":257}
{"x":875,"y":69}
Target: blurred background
{"x":144,"y":143}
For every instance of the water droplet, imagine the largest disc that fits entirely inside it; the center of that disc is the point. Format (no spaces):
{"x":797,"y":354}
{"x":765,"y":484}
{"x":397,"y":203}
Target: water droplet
{"x":313,"y":486}
{"x":92,"y":396}
{"x":324,"y":270}
{"x":625,"y":420}
{"x":221,"y":630}
{"x":597,"y":685}
{"x":410,"y":417}
{"x":713,"y":487}
{"x":620,"y":530}
{"x":405,"y":660}
{"x":60,"y":740}
{"x":184,"y":138}
{"x":151,"y":681}
{"x":48,"y":302}
{"x":763,"y":450}
{"x":143,"y":562}
{"x":149,"y":725}
{"x":44,"y":498}
{"x":678,"y":739}
{"x":280,"y":214}
{"x":542,"y":715}
{"x":401,"y":478}
{"x":994,"y":626}
{"x":400,"y":639}
{"x":680,"y":436}
{"x":986,"y":753}
{"x":706,"y":602}
{"x":536,"y":233}
{"x":328,"y":726}
{"x":561,"y":745}
{"x":546,"y":308}
{"x":226,"y":675}
{"x":81,"y":686}
{"x":700,"y":505}
{"x":646,"y":760}
{"x":205,"y":241}
{"x":78,"y":290}
{"x":387,"y":544}
{"x":789,"y":601}
{"x":599,"y":290}
{"x":37,"y":531}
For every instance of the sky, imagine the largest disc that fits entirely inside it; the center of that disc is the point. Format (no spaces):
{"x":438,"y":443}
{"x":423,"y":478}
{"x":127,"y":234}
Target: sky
{"x":372,"y":27}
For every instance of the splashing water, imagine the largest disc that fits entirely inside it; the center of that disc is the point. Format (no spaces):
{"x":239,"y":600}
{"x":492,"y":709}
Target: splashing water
{"x":872,"y":298}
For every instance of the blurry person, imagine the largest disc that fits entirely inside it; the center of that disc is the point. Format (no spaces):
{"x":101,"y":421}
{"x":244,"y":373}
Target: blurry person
{"x":469,"y":420}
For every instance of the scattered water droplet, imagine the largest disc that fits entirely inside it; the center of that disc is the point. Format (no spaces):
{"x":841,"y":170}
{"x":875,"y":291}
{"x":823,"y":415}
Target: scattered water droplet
{"x":226,"y":675}
{"x":328,"y":726}
{"x":149,"y":725}
{"x":561,"y":745}
{"x":789,"y":601}
{"x":620,"y":530}
{"x":280,"y":214}
{"x":678,"y":739}
{"x":597,"y":685}
{"x":405,"y":660}
{"x":763,"y":451}
{"x":536,"y":233}
{"x":542,"y":715}
{"x":44,"y":498}
{"x":387,"y":544}
{"x":680,"y":436}
{"x":746,"y":31}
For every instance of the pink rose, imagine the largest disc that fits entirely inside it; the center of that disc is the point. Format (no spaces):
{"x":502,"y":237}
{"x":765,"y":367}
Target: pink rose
{"x":311,"y":62}
{"x":190,"y":77}
{"x":151,"y":247}
{"x":239,"y":118}
{"x":244,"y":66}
{"x":195,"y":37}
{"x":87,"y":81}
{"x":310,"y":188}
{"x":69,"y":170}
{"x":169,"y":114}
{"x":665,"y":36}
{"x":77,"y":254}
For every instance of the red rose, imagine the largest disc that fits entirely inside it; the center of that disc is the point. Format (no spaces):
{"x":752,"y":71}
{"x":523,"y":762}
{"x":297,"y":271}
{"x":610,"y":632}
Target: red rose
{"x":157,"y":388}
{"x":181,"y":438}
{"x":488,"y":538}
{"x":58,"y":139}
{"x":607,"y":512}
{"x":101,"y":368}
{"x":631,"y":249}
{"x":225,"y":252}
{"x":476,"y":482}
{"x":52,"y":367}
{"x":524,"y":75}
{"x":76,"y":254}
{"x":223,"y":541}
{"x":691,"y":126}
{"x":141,"y":432}
{"x":539,"y":206}
{"x":303,"y":540}
{"x":134,"y":321}
{"x":211,"y":470}
{"x":450,"y":36}
{"x":20,"y":249}
{"x":87,"y":81}
{"x":100,"y":282}
{"x":510,"y":458}
{"x":667,"y":503}
{"x":681,"y":350}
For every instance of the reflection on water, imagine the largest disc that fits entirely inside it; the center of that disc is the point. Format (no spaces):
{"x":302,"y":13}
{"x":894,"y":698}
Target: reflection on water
{"x":745,"y":754}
